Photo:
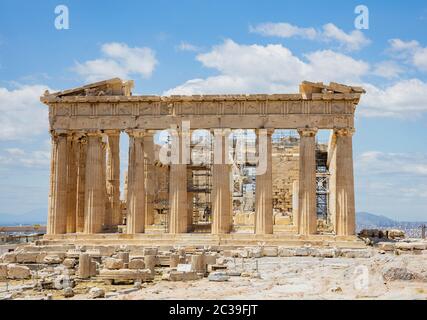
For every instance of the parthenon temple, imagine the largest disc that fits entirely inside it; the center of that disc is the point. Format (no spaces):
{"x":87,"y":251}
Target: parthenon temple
{"x":185,"y":176}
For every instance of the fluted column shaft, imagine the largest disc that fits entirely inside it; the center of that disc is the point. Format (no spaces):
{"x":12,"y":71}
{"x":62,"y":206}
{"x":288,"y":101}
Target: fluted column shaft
{"x":178,"y":222}
{"x":94,"y":185}
{"x":113,"y":175}
{"x":221,"y":176}
{"x":135,"y":222}
{"x":57,"y":215}
{"x":81,"y":177}
{"x":263,"y":186}
{"x":307,"y":182}
{"x":149,"y":177}
{"x":72,"y":149}
{"x":345,"y":207}
{"x":295,"y":203}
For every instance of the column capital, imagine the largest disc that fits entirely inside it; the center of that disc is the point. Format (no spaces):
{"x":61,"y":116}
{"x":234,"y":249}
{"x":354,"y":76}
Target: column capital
{"x":269,"y":131}
{"x":112,"y":132}
{"x":307,"y":132}
{"x":136,"y":133}
{"x":59,"y":132}
{"x":220,"y":131}
{"x":344,"y":132}
{"x":93,"y":133}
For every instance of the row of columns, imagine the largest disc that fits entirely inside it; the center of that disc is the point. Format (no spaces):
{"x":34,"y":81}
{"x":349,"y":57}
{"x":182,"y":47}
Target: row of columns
{"x":85,"y":195}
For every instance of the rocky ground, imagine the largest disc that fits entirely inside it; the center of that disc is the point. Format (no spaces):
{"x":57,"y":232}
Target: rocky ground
{"x":382,"y":272}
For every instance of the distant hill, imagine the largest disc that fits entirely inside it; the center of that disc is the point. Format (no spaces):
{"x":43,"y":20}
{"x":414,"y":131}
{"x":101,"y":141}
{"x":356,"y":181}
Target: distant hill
{"x":370,"y":220}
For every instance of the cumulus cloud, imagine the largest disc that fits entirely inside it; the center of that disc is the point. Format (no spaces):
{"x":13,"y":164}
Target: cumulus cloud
{"x":283,"y":30}
{"x":354,"y":40}
{"x":22,"y":114}
{"x":406,"y":98}
{"x":387,"y":69}
{"x":411,"y":51}
{"x":271,"y":68}
{"x":185,"y":46}
{"x":20,"y":157}
{"x":393,"y":176}
{"x":119,"y":60}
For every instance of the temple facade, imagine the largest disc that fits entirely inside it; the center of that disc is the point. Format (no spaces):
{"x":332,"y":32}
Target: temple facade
{"x":86,"y":124}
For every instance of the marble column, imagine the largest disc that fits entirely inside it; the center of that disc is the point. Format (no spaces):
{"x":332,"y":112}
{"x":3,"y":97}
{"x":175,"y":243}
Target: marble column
{"x":57,"y":212}
{"x":295,"y":202}
{"x":221,"y":191}
{"x":94,"y":184}
{"x":263,"y":186}
{"x":345,"y":208}
{"x":135,"y":222}
{"x":106,"y":220}
{"x":178,"y":210}
{"x":72,"y":149}
{"x":149,"y":177}
{"x":307,"y":182}
{"x":113,"y":175}
{"x":81,"y":177}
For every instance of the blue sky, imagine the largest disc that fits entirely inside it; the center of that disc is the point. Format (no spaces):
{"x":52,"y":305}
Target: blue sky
{"x":222,"y":47}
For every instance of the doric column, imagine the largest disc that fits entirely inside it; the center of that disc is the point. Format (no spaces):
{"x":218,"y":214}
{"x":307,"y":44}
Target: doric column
{"x":295,"y":203}
{"x":263,"y":186}
{"x":113,"y":175}
{"x":221,"y":193}
{"x":345,"y":209}
{"x":57,"y":215}
{"x":307,"y":182}
{"x":106,"y":221}
{"x":135,"y":222}
{"x":72,"y":149}
{"x":149,"y":177}
{"x":178,"y":222}
{"x":81,"y":177}
{"x":94,"y":184}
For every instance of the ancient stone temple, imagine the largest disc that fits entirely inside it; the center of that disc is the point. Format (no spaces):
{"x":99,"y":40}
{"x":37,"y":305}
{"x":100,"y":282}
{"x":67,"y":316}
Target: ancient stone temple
{"x":86,"y":202}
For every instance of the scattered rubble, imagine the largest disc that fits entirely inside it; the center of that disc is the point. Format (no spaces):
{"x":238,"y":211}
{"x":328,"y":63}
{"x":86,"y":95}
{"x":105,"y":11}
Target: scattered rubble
{"x":107,"y":271}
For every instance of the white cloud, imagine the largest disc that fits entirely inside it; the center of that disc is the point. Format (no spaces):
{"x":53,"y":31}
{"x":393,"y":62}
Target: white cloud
{"x":271,"y":68}
{"x":406,"y":98}
{"x":376,"y":162}
{"x":393,"y":176}
{"x":22,"y":114}
{"x":354,"y":40}
{"x":387,"y":69}
{"x":185,"y":46}
{"x":411,"y":51}
{"x":20,"y":157}
{"x":119,"y":61}
{"x":283,"y":30}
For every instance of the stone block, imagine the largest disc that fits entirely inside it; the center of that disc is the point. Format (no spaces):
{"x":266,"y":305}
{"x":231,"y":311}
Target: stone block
{"x":52,"y":259}
{"x":404,"y":246}
{"x":69,"y":263}
{"x":3,"y":271}
{"x":96,"y":293}
{"x":286,"y":252}
{"x":27,"y":257}
{"x":150,"y":251}
{"x":182,"y":276}
{"x":136,"y":264}
{"x":18,"y":272}
{"x":210,"y":259}
{"x":113,"y":264}
{"x":386,"y":246}
{"x":356,"y":253}
{"x":218,"y":276}
{"x":270,"y":251}
{"x":9,"y":257}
